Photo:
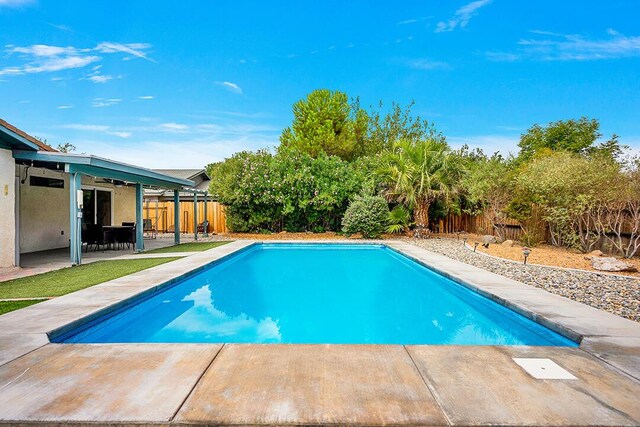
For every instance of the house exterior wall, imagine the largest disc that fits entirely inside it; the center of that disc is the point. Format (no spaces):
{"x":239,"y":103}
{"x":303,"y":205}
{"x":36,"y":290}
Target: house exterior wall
{"x":44,"y":212}
{"x":7,"y":209}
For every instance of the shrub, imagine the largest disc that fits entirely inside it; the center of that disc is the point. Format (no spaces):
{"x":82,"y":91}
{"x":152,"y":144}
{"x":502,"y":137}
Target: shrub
{"x":399,"y":220}
{"x":367,"y":215}
{"x":288,"y":191}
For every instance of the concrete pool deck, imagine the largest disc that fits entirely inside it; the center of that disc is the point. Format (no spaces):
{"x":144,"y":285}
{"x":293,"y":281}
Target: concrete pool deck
{"x":245,"y":384}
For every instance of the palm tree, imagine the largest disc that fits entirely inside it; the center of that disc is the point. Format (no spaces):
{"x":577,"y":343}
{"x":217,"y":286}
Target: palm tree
{"x":419,"y":172}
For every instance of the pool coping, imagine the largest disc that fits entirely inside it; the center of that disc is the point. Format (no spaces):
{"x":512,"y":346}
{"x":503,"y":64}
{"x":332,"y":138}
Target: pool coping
{"x":611,"y":339}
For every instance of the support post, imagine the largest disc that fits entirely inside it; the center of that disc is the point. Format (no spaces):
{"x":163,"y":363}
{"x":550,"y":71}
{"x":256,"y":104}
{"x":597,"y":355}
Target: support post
{"x":206,"y":217}
{"x":75,"y":218}
{"x":176,"y":217}
{"x":139,"y":219}
{"x":195,"y":216}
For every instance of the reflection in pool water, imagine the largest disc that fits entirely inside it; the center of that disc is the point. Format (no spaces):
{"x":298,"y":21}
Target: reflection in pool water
{"x":324,"y":293}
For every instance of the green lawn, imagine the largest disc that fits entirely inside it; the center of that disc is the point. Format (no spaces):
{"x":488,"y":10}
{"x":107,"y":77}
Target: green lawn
{"x":188,"y":247}
{"x":7,"y":306}
{"x":70,"y":279}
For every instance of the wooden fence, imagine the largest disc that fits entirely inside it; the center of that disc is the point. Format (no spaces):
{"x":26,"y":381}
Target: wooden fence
{"x":161,"y":214}
{"x":478,"y":224}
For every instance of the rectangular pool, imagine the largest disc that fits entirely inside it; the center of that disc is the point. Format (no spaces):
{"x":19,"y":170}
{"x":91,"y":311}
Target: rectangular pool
{"x":316,"y":293}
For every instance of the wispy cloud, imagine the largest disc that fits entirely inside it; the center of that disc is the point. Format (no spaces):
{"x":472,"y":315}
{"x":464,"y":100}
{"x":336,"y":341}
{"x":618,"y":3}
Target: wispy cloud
{"x":173,"y":127}
{"x":120,"y":134}
{"x":105,"y":102}
{"x":231,"y":87}
{"x":85,"y":127}
{"x":570,"y":47}
{"x":461,"y":17}
{"x":64,"y":107}
{"x":61,"y":27}
{"x":135,"y":49}
{"x":41,"y":58}
{"x":413,"y":20}
{"x":97,"y":128}
{"x":146,"y":97}
{"x":100,"y":78}
{"x":426,"y":64}
{"x":15,"y":3}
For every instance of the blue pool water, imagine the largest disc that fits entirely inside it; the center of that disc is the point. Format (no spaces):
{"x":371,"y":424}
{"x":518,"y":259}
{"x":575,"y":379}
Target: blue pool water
{"x":317,"y":293}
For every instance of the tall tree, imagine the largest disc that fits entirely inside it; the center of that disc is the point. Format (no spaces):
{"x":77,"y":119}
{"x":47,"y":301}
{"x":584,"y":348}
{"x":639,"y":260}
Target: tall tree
{"x":325,"y":122}
{"x":418,"y":173}
{"x":574,"y":136}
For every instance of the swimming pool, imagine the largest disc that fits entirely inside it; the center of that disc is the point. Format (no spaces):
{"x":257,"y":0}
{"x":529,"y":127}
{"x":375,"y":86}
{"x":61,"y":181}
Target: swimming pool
{"x":316,"y":293}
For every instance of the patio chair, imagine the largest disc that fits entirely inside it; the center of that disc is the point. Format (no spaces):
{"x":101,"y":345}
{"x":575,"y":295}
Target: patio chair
{"x":149,"y":229}
{"x":108,"y":237}
{"x":204,"y":225}
{"x":125,"y":236}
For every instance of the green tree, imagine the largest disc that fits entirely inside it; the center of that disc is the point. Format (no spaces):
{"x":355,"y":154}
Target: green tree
{"x":574,"y":136}
{"x":570,"y":189}
{"x":67,"y":147}
{"x":399,"y":123}
{"x":419,"y":172}
{"x":325,"y":122}
{"x":488,"y":187}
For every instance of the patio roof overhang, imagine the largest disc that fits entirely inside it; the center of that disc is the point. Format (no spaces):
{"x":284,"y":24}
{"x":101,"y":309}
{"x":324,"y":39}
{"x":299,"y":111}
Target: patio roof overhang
{"x":105,"y":168}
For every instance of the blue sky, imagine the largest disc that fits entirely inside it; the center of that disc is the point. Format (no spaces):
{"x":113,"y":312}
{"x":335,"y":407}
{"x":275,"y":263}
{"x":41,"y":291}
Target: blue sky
{"x":166,"y":84}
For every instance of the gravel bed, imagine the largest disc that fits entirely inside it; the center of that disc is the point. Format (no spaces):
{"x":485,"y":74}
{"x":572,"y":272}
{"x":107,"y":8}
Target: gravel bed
{"x":615,"y":294}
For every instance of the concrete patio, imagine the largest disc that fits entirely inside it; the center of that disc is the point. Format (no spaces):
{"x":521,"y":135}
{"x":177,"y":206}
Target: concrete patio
{"x":244,"y":384}
{"x":55,"y":259}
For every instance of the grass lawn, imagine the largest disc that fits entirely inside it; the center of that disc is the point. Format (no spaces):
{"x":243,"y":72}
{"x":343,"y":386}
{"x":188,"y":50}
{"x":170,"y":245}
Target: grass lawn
{"x":188,"y":247}
{"x":7,"y":306}
{"x":70,"y":279}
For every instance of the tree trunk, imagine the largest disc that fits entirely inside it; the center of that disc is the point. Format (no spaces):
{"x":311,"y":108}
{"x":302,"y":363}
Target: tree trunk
{"x":421,"y":216}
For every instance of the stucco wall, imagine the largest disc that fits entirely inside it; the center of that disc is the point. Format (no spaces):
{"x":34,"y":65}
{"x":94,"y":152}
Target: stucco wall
{"x":7,"y":209}
{"x":44,"y":212}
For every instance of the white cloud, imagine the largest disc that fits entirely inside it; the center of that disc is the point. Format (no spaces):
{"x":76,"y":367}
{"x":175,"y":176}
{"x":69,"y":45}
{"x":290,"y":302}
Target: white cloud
{"x":120,"y":134}
{"x":64,"y":107}
{"x":62,"y":27}
{"x":570,"y":47}
{"x":40,"y":58}
{"x":172,"y":127}
{"x":231,"y":87}
{"x":91,"y":128}
{"x":413,"y":20}
{"x":135,"y":49}
{"x":15,"y":3}
{"x":105,"y":102}
{"x":146,"y":97}
{"x":427,"y":64}
{"x":97,"y":128}
{"x":461,"y":17}
{"x":99,"y":78}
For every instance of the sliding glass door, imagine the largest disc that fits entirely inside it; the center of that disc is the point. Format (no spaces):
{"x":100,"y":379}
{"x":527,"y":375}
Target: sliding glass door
{"x":96,"y":206}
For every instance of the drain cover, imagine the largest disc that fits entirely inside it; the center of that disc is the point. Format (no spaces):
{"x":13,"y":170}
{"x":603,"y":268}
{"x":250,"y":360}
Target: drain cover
{"x":543,"y":369}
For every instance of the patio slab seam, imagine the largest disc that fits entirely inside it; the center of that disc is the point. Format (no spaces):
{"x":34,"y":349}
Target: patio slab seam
{"x":430,"y":387}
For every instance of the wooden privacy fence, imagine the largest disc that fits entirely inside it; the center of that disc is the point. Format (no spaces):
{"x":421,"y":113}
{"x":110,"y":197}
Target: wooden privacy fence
{"x":164,"y":214}
{"x":482,"y":224}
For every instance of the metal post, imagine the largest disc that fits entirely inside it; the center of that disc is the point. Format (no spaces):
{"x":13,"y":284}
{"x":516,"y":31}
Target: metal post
{"x":195,"y":216}
{"x":139,"y":220}
{"x":156,"y":226}
{"x":75,"y":219}
{"x":176,"y":217}
{"x":206,"y":217}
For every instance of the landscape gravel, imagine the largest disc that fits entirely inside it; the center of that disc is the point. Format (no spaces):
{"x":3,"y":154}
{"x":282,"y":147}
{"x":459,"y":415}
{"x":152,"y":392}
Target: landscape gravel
{"x":616,"y":294}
